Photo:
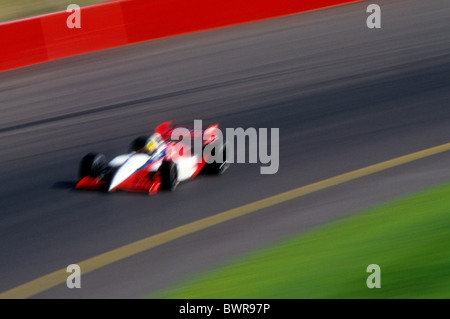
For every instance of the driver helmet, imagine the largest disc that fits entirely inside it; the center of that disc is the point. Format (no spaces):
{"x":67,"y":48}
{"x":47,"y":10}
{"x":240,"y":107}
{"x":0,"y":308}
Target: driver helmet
{"x":153,"y":143}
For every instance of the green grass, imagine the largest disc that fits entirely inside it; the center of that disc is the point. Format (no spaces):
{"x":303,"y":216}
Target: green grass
{"x":18,"y":9}
{"x":408,"y":238}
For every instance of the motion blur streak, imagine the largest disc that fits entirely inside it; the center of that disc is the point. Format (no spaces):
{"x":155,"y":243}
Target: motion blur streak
{"x":58,"y":277}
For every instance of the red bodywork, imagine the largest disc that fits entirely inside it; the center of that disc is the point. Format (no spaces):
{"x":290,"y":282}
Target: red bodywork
{"x":141,"y":181}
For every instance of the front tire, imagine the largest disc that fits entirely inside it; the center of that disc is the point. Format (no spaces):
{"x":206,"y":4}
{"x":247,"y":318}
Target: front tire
{"x":93,"y":164}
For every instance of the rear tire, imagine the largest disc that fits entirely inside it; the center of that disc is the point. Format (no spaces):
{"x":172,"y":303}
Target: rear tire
{"x":93,"y":164}
{"x":138,"y":144}
{"x":218,"y":168}
{"x":169,"y":176}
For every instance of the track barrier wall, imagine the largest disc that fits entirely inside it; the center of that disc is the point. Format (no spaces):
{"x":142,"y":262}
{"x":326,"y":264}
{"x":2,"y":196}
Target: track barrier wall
{"x":116,"y":23}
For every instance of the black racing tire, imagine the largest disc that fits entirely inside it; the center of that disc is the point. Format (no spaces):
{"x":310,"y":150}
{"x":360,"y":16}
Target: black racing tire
{"x":138,"y":143}
{"x":93,"y":164}
{"x":169,"y":176}
{"x":215,"y":168}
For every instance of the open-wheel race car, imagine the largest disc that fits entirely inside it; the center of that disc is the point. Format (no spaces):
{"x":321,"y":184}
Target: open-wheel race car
{"x":156,"y":162}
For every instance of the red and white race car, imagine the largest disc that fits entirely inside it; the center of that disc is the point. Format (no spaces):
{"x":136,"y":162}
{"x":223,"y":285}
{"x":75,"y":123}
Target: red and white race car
{"x":155,"y":162}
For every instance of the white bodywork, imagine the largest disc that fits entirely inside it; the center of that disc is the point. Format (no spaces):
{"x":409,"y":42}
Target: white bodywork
{"x":129,"y":163}
{"x":186,"y":167}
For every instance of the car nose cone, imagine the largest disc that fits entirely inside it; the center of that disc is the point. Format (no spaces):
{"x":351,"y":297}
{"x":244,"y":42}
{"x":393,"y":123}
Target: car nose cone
{"x":133,"y":164}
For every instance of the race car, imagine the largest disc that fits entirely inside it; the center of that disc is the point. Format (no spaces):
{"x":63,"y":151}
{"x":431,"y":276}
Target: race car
{"x":155,"y":162}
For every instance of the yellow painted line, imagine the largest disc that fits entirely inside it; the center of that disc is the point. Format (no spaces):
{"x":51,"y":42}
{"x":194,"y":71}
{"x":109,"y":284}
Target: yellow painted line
{"x":60,"y":276}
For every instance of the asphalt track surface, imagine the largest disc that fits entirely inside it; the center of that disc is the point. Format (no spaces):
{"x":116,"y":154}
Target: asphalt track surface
{"x":343,"y":96}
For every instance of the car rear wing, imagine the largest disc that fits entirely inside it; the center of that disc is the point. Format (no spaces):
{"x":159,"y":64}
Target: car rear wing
{"x":166,"y":130}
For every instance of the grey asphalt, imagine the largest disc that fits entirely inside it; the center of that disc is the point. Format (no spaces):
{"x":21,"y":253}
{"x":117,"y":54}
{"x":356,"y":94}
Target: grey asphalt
{"x":343,"y":96}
